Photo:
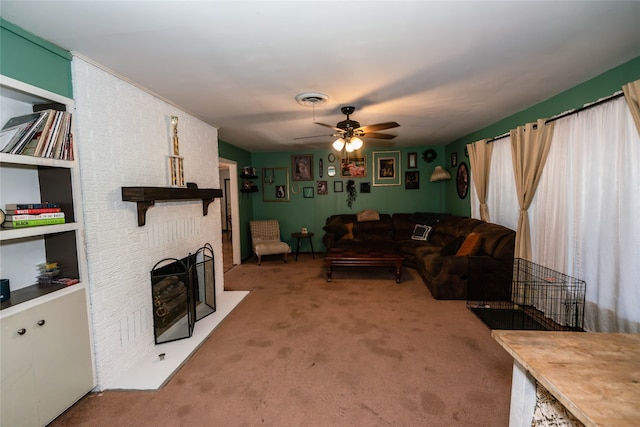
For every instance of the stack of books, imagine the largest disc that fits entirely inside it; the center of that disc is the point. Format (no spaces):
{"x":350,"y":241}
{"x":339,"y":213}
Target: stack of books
{"x":45,"y":133}
{"x":32,"y":215}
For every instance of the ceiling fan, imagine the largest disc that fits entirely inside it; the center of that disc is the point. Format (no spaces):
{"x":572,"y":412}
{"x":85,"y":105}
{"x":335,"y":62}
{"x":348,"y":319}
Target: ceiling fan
{"x":349,"y":132}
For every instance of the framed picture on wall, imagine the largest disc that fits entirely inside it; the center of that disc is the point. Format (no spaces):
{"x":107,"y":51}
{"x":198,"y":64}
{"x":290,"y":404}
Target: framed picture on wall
{"x":412,"y":180}
{"x":302,"y":167}
{"x":323,"y":189}
{"x":386,"y":165}
{"x":412,"y":160}
{"x":454,"y":159}
{"x":307,"y":192}
{"x":338,"y":187}
{"x":353,"y":167}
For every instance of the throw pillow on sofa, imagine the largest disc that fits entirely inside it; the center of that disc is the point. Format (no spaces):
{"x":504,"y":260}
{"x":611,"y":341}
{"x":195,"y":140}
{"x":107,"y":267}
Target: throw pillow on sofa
{"x":336,"y":227}
{"x":349,"y":235}
{"x":471,"y":245}
{"x":421,"y":232}
{"x":368,"y":215}
{"x":452,"y":247}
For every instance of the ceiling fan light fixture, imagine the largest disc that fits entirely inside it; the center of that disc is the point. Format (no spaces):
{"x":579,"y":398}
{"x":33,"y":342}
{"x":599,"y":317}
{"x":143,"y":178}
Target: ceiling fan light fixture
{"x":349,"y":147}
{"x":338,"y":144}
{"x":356,"y":142}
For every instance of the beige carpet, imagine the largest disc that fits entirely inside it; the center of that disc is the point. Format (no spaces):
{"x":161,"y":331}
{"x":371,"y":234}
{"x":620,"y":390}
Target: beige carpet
{"x":299,"y":351}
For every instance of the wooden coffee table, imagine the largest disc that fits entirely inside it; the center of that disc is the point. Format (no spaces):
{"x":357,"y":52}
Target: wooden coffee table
{"x":363,"y":258}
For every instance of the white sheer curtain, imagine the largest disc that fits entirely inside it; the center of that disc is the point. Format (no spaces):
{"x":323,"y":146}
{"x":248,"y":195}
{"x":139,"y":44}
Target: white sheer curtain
{"x":585,"y":217}
{"x":502,"y":199}
{"x":586,"y":210}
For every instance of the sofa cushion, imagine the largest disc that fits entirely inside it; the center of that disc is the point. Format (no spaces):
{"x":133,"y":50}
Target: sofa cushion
{"x":452,"y":247}
{"x":421,"y":232}
{"x":336,"y":227}
{"x":471,"y":245}
{"x":368,"y":215}
{"x":349,"y":233}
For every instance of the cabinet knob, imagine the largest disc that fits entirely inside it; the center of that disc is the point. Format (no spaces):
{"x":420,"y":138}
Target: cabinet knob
{"x":22,"y":331}
{"x":41,"y":322}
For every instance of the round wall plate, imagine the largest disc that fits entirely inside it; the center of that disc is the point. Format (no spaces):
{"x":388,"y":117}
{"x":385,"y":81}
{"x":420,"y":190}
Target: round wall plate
{"x":331,"y":157}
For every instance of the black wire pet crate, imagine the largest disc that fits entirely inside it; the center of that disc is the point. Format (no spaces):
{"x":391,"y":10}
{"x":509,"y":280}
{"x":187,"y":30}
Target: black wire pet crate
{"x":529,"y":297}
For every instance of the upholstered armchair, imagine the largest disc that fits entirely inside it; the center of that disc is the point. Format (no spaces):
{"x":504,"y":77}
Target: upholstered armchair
{"x":265,"y":239}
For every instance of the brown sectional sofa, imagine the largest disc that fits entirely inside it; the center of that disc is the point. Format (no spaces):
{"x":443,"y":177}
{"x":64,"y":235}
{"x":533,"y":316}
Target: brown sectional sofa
{"x":447,"y":275}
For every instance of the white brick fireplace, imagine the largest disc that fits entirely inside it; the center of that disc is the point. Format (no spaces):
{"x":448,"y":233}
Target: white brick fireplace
{"x":123,"y":137}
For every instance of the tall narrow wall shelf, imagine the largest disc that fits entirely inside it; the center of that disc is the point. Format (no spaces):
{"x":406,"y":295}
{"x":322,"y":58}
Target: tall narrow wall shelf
{"x":145,"y":197}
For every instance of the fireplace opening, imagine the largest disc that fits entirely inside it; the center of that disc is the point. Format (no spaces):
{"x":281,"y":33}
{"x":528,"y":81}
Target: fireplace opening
{"x":183,"y":291}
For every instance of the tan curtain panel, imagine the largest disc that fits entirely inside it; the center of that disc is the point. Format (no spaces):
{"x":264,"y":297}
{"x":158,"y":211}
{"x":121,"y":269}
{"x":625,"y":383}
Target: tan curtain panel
{"x":529,"y":149}
{"x":480,"y":159}
{"x":632,"y":95}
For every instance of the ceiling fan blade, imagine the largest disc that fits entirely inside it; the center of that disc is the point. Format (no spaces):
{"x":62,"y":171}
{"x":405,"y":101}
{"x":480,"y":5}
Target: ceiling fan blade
{"x":314,"y":136}
{"x":330,"y":127}
{"x":379,"y":135}
{"x":379,"y":126}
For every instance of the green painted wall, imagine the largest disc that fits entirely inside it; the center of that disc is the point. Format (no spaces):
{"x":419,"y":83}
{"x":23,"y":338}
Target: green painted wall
{"x":27,"y":58}
{"x":242,"y":158}
{"x":599,"y":87}
{"x":312,"y":213}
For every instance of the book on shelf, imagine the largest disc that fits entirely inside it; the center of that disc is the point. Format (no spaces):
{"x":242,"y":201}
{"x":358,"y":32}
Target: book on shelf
{"x":14,"y":217}
{"x":46,"y":133}
{"x":40,"y":205}
{"x":17,"y":128}
{"x":49,"y":106}
{"x":36,"y":211}
{"x":32,"y":222}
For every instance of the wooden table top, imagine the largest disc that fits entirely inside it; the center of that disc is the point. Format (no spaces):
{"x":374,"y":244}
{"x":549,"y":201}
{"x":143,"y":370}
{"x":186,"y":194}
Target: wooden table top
{"x":362,"y":254}
{"x":596,"y":376}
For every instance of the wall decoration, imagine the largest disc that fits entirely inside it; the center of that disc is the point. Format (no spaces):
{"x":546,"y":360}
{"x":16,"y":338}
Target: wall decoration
{"x":462,"y":180}
{"x":352,"y":193}
{"x":466,"y":151}
{"x":387,"y":168}
{"x":429,"y":155}
{"x":323,"y":189}
{"x":412,"y":160}
{"x":365,"y":187}
{"x":276,"y":184}
{"x":302,"y":167}
{"x":295,"y":188}
{"x":331,"y":170}
{"x":337,"y":187}
{"x":307,"y":192}
{"x":353,"y":167}
{"x":412,"y":180}
{"x":454,"y":159}
{"x":331,"y":157}
{"x":320,"y":168}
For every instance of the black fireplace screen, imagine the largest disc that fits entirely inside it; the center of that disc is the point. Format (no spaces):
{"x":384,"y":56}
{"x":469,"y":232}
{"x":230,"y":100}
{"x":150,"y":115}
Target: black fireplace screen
{"x":183,"y":292}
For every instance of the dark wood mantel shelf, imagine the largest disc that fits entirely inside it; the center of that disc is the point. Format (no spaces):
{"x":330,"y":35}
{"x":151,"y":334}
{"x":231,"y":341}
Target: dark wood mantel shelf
{"x":145,"y":197}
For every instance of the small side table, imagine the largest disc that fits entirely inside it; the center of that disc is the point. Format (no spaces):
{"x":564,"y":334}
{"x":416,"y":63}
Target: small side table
{"x":302,"y":236}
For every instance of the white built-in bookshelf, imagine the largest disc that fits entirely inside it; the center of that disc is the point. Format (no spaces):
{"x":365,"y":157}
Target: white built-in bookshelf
{"x":45,"y":329}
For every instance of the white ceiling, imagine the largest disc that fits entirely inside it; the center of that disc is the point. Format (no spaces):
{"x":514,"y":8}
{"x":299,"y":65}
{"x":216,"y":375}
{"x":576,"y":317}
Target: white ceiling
{"x":440,"y":69}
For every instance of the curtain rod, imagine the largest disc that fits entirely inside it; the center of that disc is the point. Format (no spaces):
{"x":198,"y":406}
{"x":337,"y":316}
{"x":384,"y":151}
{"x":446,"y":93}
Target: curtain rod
{"x":568,"y":113}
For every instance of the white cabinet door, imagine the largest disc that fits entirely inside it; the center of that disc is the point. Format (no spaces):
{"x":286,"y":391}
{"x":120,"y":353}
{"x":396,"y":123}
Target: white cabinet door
{"x":18,"y":391}
{"x":49,"y":367}
{"x":62,"y":354}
